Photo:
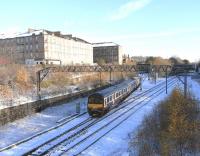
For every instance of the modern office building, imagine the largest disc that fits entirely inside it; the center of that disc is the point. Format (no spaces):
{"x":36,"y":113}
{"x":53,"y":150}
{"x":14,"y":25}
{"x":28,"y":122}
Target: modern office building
{"x":107,"y":52}
{"x":46,"y":47}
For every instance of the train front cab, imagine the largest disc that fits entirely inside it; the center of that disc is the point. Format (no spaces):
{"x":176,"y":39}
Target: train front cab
{"x":95,"y":105}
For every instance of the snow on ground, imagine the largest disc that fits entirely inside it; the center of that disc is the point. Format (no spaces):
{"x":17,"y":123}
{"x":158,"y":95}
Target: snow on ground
{"x":114,"y":143}
{"x":23,"y":128}
{"x":194,"y":87}
{"x":28,"y":126}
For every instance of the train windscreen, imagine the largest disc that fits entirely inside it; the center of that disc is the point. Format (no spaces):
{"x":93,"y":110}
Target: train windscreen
{"x":95,"y":99}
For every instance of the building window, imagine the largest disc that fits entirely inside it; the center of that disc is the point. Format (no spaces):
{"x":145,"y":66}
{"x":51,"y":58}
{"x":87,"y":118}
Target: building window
{"x":31,"y":47}
{"x":37,"y":47}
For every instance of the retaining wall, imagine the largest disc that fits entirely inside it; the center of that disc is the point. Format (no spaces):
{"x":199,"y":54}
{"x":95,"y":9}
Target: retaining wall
{"x":16,"y":112}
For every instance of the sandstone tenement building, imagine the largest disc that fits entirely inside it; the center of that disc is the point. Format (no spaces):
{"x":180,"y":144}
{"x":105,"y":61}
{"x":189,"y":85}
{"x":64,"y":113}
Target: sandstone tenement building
{"x":45,"y":47}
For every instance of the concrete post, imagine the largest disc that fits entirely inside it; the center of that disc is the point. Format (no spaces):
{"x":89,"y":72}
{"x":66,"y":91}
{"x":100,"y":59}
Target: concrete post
{"x":78,"y":108}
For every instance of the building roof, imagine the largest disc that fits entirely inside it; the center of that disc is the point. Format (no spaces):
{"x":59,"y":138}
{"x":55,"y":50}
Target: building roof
{"x":15,"y":35}
{"x":105,"y":44}
{"x":30,"y":32}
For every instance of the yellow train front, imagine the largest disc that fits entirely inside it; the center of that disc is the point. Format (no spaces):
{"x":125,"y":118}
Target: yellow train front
{"x":96,"y":105}
{"x":101,"y":102}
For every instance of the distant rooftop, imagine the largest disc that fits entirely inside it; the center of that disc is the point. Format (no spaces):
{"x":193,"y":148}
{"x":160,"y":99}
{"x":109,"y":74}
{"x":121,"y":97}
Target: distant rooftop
{"x":14,"y":35}
{"x":31,"y":32}
{"x":105,"y":44}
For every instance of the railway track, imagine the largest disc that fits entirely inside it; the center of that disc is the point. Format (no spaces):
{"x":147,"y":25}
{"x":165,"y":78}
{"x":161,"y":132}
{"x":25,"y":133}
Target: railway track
{"x":93,"y":140}
{"x":92,"y":134}
{"x":74,"y":130}
{"x":65,"y":122}
{"x":78,"y":132}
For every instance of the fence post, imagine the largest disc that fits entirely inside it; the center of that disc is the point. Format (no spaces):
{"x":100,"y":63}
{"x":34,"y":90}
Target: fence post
{"x":78,"y":109}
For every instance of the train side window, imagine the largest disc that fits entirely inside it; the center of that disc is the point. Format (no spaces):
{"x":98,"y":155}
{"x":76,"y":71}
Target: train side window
{"x":105,"y":104}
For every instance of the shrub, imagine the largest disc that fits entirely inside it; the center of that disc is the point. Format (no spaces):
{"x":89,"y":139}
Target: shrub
{"x":22,"y":76}
{"x":171,"y":129}
{"x":5,"y":92}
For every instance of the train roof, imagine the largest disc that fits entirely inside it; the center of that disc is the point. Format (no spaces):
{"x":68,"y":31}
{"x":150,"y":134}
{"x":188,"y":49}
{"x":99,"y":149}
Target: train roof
{"x":112,"y":89}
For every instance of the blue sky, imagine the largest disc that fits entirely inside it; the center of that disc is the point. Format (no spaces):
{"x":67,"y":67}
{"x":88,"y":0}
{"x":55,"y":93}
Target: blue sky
{"x":143,"y":27}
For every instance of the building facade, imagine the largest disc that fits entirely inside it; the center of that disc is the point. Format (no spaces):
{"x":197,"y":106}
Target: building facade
{"x":46,"y":47}
{"x":107,"y":52}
